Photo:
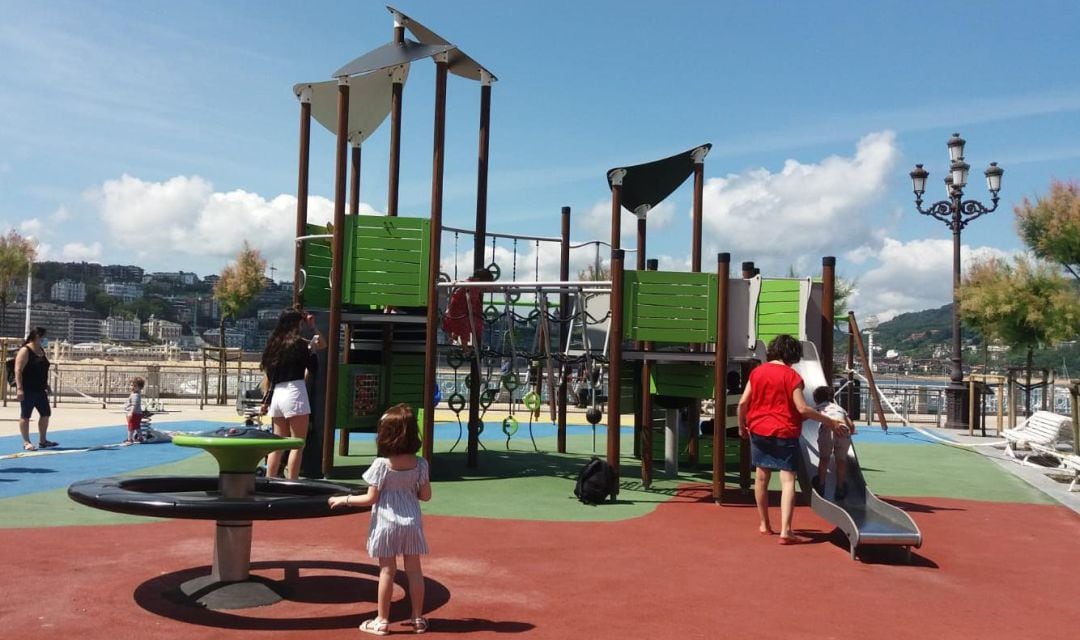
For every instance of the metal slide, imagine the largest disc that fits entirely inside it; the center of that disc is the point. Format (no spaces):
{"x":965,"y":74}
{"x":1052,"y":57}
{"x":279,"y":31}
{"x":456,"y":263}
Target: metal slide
{"x":861,"y":515}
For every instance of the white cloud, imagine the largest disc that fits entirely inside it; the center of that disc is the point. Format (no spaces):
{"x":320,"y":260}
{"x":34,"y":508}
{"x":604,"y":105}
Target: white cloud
{"x":910,"y":276}
{"x":184,"y":215}
{"x":31,"y":227}
{"x":803,"y":212}
{"x":597,"y":221}
{"x":79,"y":252}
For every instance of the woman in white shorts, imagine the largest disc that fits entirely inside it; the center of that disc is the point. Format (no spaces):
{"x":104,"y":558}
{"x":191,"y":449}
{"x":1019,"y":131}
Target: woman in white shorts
{"x":286,"y":361}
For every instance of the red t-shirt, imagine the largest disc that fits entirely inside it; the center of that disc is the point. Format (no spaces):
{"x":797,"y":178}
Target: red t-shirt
{"x":772,"y":412}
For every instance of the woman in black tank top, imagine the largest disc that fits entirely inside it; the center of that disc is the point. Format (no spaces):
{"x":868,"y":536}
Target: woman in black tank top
{"x":285,"y":361}
{"x":32,"y":387}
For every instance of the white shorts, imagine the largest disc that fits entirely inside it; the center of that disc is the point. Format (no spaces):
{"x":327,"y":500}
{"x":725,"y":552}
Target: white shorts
{"x":290,"y":399}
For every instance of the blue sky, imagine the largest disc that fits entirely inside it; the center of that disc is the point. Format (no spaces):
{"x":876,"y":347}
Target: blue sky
{"x":165,"y":134}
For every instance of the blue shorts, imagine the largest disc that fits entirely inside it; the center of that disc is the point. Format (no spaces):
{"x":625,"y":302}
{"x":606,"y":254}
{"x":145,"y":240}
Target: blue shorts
{"x":778,"y":454}
{"x":34,"y":400}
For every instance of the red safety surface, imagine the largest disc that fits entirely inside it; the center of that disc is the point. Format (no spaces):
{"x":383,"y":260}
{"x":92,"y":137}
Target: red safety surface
{"x":690,"y":569}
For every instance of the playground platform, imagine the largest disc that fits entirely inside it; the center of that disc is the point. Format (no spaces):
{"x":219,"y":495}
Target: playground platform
{"x":514,"y":553}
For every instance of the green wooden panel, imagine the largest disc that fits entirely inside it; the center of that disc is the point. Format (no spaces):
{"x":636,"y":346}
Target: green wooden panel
{"x":382,"y":278}
{"x":682,"y":380}
{"x":778,"y":309}
{"x":375,"y":264}
{"x":669,"y":306}
{"x":317,"y":265}
{"x":405,"y":375}
{"x":388,"y":260}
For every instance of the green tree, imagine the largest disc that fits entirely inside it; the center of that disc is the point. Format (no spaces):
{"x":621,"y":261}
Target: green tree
{"x":239,"y":284}
{"x":1050,"y":226}
{"x":16,"y":255}
{"x":1023,"y":305}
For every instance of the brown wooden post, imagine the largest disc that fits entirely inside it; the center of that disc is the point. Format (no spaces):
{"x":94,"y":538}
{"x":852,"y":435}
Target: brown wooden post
{"x":564,"y":327}
{"x":876,"y":401}
{"x":639,"y":419}
{"x":337,"y":271}
{"x":615,"y":177}
{"x":479,"y":238}
{"x":431,"y":346}
{"x":723,"y":273}
{"x":615,"y":361}
{"x":828,"y":301}
{"x":647,"y":404}
{"x":748,"y":271}
{"x":302,"y":187}
{"x":693,"y":413}
{"x":396,"y":87}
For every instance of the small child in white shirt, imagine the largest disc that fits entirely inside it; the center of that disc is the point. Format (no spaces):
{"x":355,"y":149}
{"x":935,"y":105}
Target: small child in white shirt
{"x":133,"y":409}
{"x":832,"y":444}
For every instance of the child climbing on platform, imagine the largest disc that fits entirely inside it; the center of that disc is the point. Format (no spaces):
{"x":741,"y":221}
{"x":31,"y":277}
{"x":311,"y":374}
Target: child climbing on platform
{"x":464,"y":317}
{"x":397,"y":480}
{"x":133,"y":409}
{"x":832,"y":444}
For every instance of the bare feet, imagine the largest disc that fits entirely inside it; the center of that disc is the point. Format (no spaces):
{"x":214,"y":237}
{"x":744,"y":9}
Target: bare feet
{"x":793,"y":539}
{"x":765,"y":530}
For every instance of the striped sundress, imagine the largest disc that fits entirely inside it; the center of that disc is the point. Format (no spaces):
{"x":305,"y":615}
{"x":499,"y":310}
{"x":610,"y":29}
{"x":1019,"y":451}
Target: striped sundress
{"x":396,"y":526}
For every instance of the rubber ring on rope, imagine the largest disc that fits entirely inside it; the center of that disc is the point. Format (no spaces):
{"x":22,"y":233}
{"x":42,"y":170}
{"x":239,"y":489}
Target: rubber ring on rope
{"x":593,"y":415}
{"x":513,"y":296}
{"x":509,"y":426}
{"x":456,"y":402}
{"x":494,"y":270}
{"x":491,"y":314}
{"x":455,"y":358}
{"x":511,"y":380}
{"x":488,"y":397}
{"x":531,"y":400}
{"x":534,"y":314}
{"x":444,"y":277}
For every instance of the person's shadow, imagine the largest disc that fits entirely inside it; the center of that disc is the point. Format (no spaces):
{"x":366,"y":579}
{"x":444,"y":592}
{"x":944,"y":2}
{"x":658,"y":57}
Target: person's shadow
{"x":161,"y":595}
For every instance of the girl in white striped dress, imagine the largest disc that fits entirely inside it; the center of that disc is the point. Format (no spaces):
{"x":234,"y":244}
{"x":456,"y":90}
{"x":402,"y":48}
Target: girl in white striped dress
{"x":397,"y":481}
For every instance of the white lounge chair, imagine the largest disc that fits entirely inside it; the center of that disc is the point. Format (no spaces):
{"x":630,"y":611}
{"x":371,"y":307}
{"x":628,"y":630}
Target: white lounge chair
{"x":1066,"y":462}
{"x":1043,"y":429}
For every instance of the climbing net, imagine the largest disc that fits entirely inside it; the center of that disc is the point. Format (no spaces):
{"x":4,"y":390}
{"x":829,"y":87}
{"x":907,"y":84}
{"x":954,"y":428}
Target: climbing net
{"x":510,"y":330}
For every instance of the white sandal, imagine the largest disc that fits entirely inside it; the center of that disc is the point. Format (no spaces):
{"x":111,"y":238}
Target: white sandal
{"x":375,"y":627}
{"x":420,"y":625}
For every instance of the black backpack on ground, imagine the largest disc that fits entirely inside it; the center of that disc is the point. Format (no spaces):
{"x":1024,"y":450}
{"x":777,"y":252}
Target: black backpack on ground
{"x":596,"y":482}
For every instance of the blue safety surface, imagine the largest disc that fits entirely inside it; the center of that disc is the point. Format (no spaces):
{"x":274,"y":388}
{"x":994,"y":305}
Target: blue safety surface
{"x":87,"y":453}
{"x":872,"y":434}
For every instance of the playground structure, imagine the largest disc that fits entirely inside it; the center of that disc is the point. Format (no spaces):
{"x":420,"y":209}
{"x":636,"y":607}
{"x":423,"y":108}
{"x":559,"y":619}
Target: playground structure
{"x":380,"y":277}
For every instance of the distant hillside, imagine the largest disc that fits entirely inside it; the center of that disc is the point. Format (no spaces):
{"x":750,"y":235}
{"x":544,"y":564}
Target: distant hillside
{"x":917,"y":334}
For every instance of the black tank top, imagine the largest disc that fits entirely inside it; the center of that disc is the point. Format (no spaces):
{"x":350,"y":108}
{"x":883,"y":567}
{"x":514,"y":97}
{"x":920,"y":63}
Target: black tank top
{"x":35,"y":374}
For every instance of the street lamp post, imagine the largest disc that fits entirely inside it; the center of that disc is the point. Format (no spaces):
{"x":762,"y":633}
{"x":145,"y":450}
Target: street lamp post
{"x":956,"y":213}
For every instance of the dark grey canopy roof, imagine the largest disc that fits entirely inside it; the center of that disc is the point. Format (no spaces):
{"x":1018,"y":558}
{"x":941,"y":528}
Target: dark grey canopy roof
{"x":652,"y":182}
{"x":389,"y":55}
{"x":458,"y":62}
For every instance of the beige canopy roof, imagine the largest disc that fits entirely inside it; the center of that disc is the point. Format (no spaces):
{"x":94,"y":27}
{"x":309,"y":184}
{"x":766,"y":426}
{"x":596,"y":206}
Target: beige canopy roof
{"x":369,"y":102}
